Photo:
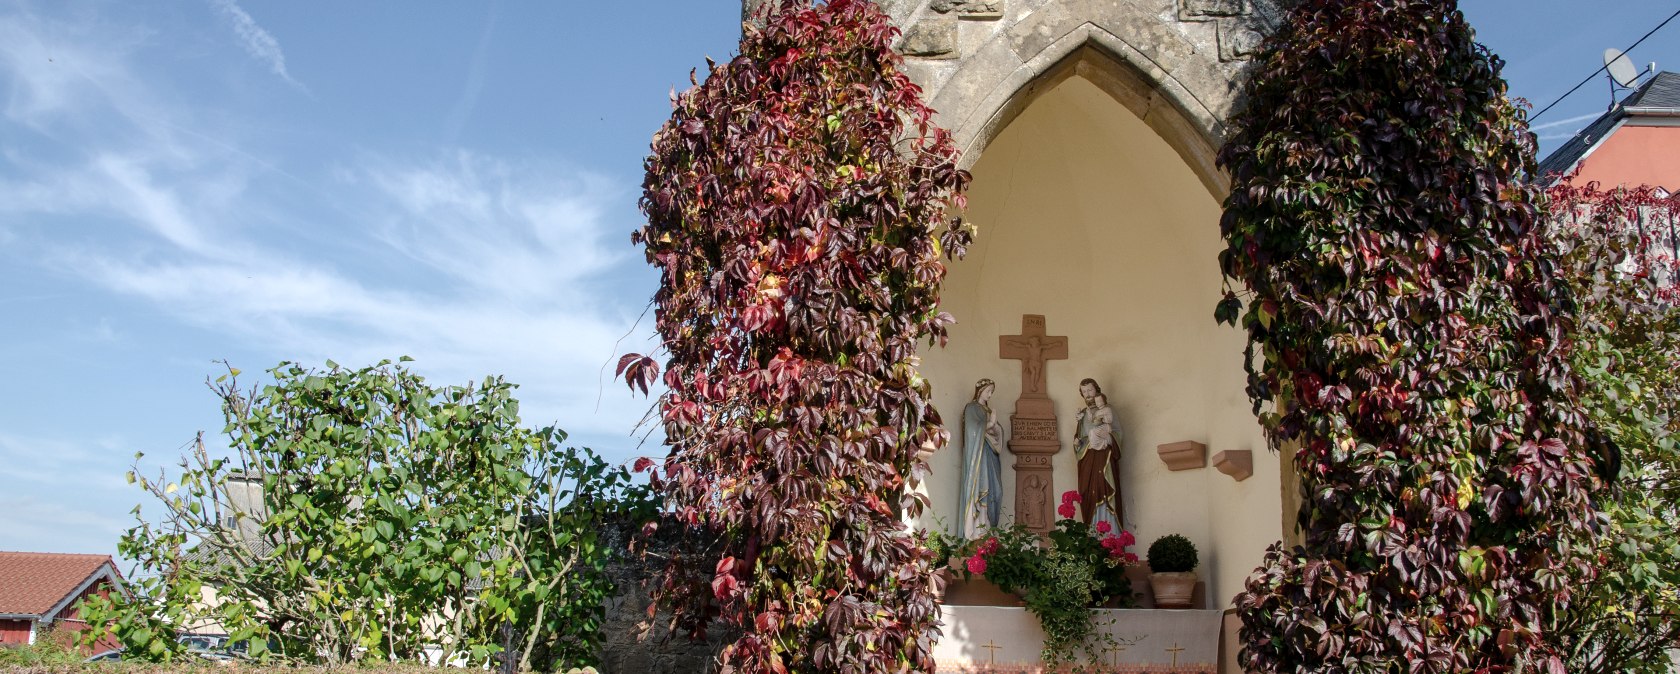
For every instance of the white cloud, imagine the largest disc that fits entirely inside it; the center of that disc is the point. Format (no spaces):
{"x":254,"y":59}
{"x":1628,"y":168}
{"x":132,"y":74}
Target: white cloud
{"x":182,"y":200}
{"x":105,"y":332}
{"x":474,"y":86}
{"x":34,"y":524}
{"x":473,"y":265}
{"x":1563,"y":122}
{"x":261,"y":45}
{"x":134,"y":191}
{"x":55,"y":466}
{"x":56,"y":70}
{"x":528,"y":232}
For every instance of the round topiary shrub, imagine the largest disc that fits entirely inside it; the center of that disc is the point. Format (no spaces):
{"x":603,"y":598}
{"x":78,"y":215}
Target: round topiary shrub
{"x":1172,"y":553}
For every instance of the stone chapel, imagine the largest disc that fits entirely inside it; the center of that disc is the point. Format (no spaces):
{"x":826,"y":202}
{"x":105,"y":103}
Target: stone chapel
{"x":1090,"y":127}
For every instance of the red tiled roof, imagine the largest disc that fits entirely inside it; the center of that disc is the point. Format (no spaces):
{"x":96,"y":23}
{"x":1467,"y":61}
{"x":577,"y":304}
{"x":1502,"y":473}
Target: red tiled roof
{"x":32,"y":583}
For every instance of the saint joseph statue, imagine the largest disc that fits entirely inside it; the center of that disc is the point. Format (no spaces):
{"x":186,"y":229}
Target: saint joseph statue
{"x":982,"y":483}
{"x":1097,"y":449}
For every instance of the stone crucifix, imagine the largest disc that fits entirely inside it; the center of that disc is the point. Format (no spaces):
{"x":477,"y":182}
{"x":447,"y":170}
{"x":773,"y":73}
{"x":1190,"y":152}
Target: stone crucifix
{"x":1032,"y":347}
{"x":1034,"y":436}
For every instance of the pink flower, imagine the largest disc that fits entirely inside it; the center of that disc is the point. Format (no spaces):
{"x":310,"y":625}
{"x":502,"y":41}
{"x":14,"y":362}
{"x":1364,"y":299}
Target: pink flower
{"x":1127,"y":539}
{"x":977,"y":564}
{"x":1104,"y":527}
{"x":1070,"y":496}
{"x":1065,"y":510}
{"x":1131,"y":558}
{"x":1116,"y":550}
{"x":988,"y":547}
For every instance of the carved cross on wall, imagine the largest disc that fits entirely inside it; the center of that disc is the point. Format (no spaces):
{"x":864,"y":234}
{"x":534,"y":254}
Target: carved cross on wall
{"x":1032,"y":347}
{"x":1175,"y":650}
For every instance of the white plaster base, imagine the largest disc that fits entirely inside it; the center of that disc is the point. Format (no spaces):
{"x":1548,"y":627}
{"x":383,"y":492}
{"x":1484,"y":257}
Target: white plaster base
{"x":1154,"y":640}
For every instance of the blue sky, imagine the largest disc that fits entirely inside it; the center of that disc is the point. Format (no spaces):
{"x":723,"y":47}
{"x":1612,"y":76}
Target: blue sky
{"x":185,"y":181}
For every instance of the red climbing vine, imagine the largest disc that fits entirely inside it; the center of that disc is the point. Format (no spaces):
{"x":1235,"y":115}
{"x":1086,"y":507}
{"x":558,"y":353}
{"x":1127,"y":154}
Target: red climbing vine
{"x":799,"y":202}
{"x":1412,"y":330}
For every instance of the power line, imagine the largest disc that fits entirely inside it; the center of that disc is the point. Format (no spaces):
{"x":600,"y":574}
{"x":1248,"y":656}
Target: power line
{"x":1601,"y":68}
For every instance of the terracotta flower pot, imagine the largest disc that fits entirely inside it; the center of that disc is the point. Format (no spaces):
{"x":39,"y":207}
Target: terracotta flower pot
{"x":1173,"y":590}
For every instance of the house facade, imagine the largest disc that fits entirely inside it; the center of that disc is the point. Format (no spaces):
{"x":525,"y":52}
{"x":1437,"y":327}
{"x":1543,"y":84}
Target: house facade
{"x":1636,"y":142}
{"x":41,"y":593}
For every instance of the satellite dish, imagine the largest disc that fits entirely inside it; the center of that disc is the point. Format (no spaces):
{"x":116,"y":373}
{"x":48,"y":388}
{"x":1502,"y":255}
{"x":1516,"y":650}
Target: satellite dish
{"x":1621,"y":67}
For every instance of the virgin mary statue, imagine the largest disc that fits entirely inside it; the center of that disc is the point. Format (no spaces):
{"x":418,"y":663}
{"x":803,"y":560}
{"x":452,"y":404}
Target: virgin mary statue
{"x":982,"y":485}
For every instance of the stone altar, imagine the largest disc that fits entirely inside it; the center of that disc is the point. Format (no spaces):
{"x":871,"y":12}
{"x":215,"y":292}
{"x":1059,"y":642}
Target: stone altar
{"x":1001,"y":639}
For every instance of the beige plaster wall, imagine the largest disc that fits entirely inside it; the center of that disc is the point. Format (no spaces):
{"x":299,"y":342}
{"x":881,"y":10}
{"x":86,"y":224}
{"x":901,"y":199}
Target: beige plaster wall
{"x":1087,"y":216}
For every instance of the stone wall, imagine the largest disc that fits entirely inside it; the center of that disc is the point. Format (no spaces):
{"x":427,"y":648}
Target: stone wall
{"x":633,"y":643}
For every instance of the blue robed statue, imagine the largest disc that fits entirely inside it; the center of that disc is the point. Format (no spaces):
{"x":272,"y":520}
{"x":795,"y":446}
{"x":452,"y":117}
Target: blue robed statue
{"x":982,"y":482}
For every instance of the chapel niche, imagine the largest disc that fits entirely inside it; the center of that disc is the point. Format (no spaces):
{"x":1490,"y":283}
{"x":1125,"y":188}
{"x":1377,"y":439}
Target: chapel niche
{"x":1088,"y":216}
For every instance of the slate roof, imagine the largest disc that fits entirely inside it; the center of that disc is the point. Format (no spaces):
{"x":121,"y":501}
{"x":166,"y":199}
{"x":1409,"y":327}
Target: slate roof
{"x":1663,"y":91}
{"x":1659,"y":93}
{"x":32,"y":583}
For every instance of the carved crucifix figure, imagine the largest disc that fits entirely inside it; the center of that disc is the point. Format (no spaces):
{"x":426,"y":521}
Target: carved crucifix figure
{"x":1032,"y":347}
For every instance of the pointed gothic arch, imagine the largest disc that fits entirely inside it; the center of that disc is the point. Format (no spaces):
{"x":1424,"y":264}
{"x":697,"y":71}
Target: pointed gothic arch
{"x":1091,"y":53}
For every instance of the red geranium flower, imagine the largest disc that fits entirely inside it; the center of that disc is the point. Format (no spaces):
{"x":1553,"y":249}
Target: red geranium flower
{"x":1065,"y":510}
{"x":1104,"y":527}
{"x":977,"y":564}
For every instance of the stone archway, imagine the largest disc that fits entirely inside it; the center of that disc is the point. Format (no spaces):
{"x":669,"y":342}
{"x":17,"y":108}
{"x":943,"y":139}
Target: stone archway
{"x":1091,"y":54}
{"x":1176,"y":64}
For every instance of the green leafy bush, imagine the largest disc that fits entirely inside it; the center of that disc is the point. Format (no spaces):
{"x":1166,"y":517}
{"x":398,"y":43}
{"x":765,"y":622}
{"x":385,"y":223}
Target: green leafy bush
{"x":1083,"y":568}
{"x":366,"y":515}
{"x":1172,"y":553}
{"x":51,"y":649}
{"x":1409,"y":334}
{"x":1619,"y":249}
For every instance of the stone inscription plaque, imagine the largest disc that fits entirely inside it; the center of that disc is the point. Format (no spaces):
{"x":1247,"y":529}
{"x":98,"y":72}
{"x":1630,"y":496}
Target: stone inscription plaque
{"x":1035,"y":429}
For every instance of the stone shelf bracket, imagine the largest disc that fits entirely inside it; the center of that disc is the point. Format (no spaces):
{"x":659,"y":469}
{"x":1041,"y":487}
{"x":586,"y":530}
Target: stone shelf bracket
{"x":1237,"y":463}
{"x":1186,"y":455}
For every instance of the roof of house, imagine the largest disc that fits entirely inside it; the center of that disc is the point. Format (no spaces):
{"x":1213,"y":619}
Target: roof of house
{"x":1659,"y":93}
{"x":41,"y":583}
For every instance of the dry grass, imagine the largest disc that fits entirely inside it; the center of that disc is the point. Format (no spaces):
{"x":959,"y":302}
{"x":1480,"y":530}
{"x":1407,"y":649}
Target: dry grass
{"x":48,"y":657}
{"x":213,"y":668}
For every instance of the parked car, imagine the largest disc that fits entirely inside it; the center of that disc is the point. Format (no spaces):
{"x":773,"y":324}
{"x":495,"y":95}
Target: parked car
{"x":112,"y":655}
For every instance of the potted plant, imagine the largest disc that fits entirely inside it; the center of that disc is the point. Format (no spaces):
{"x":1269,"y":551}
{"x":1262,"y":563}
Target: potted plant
{"x":1172,"y":563}
{"x":1061,"y":580}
